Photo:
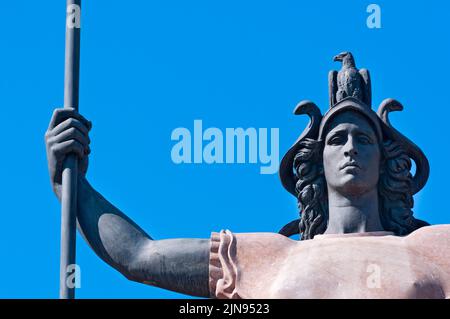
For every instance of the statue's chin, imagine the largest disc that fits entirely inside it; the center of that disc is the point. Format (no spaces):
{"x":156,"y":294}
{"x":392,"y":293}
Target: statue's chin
{"x":354,"y":184}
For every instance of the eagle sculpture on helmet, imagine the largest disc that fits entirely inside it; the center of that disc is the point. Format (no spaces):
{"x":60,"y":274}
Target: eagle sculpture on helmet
{"x":349,"y":81}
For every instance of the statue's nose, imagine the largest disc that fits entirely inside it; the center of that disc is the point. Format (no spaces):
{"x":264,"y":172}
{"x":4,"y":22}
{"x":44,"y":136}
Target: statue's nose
{"x":351,"y":152}
{"x":350,"y":148}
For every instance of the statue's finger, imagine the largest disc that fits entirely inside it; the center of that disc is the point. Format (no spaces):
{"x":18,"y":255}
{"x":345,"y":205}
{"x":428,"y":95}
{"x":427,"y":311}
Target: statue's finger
{"x":71,"y":134}
{"x":67,"y":147}
{"x":68,"y":123}
{"x":62,"y":114}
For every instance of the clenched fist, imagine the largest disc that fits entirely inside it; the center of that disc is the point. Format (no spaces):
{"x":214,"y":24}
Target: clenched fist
{"x":67,"y":133}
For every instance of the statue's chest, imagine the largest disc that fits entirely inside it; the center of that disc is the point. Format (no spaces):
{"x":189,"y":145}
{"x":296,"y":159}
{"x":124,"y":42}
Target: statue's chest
{"x":348,"y":76}
{"x":355,"y":269}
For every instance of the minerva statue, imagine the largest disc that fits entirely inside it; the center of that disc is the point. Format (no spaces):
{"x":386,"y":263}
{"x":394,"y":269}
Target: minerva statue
{"x":350,"y":171}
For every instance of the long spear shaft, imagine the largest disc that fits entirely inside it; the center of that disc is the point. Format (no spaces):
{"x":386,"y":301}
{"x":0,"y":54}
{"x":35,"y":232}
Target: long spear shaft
{"x":70,"y":168}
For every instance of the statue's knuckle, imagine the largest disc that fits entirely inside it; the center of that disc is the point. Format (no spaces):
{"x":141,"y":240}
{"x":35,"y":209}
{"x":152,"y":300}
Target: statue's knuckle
{"x":71,"y":121}
{"x":72,"y":131}
{"x":54,"y":149}
{"x":58,"y":112}
{"x":50,"y":139}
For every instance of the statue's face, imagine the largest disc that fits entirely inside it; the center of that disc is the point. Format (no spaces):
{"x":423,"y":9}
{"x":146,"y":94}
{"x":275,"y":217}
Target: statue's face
{"x":351,"y":155}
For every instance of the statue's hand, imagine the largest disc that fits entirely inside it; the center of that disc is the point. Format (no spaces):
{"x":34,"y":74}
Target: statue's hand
{"x":67,"y":133}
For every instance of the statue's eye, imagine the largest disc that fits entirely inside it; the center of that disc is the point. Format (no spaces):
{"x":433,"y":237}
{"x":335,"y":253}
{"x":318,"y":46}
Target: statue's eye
{"x":363,"y":139}
{"x":336,"y":140}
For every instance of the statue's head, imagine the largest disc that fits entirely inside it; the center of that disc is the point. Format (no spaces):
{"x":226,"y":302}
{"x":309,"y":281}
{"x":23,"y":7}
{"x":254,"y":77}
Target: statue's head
{"x":350,"y":145}
{"x":345,"y":57}
{"x":352,"y":150}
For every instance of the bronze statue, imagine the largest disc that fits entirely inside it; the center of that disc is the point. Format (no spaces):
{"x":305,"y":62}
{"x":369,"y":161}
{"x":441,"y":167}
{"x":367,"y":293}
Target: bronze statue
{"x":349,"y":81}
{"x":349,"y":170}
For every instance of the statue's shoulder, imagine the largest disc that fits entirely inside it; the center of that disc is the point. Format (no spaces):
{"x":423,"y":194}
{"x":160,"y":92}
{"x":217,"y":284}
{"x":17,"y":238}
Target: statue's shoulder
{"x":432,"y":241}
{"x":438,"y":232}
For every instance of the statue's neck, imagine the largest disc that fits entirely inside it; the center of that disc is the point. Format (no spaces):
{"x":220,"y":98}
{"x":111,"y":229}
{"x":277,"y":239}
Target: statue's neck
{"x":348,"y":63}
{"x":353,"y":214}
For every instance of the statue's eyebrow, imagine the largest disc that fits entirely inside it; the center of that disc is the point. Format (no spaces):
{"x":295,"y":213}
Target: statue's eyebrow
{"x":370,"y":134}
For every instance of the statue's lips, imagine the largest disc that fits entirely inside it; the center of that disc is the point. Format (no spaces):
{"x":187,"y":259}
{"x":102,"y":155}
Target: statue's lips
{"x":351,"y":164}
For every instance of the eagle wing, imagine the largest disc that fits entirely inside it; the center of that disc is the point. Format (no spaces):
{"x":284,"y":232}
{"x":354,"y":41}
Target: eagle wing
{"x":367,"y":94}
{"x":332,"y":87}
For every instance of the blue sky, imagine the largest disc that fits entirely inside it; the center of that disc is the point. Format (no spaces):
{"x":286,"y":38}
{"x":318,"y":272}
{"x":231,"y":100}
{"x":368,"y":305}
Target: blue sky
{"x":148,"y":67}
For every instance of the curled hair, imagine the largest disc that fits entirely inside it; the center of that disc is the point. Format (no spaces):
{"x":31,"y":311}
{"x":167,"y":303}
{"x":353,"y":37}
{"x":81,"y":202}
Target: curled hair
{"x":394,"y":190}
{"x":311,"y":189}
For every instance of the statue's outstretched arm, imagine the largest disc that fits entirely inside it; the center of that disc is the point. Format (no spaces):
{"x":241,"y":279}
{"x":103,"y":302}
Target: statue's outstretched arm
{"x":176,"y":264}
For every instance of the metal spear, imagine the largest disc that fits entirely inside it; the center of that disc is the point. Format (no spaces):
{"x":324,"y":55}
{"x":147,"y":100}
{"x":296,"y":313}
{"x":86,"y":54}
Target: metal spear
{"x":70,"y":168}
